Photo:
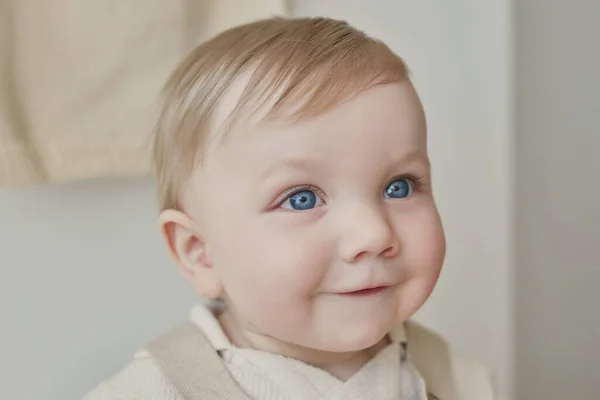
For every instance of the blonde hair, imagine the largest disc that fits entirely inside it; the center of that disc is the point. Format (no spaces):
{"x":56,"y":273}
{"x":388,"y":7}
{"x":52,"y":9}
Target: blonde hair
{"x":303,"y":67}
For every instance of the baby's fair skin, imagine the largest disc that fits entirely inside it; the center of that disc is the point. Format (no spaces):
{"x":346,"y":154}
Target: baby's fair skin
{"x":289,"y":223}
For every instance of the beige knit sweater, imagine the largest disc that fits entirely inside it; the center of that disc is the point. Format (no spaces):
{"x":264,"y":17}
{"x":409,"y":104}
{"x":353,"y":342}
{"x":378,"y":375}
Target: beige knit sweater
{"x":266,"y":376}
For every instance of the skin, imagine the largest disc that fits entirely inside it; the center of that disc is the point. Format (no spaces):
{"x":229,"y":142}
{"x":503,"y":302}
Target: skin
{"x":289,"y":278}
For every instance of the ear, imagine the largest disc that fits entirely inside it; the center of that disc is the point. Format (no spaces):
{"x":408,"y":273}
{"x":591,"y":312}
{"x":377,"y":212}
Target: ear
{"x":190,"y":251}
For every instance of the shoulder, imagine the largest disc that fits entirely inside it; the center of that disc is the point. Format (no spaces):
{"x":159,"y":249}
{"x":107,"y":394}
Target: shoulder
{"x":140,"y":379}
{"x":448,"y":375}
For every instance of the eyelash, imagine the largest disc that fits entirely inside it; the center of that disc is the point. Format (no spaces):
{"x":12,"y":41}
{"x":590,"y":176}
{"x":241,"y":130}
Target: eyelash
{"x":417,"y":181}
{"x":297,"y":189}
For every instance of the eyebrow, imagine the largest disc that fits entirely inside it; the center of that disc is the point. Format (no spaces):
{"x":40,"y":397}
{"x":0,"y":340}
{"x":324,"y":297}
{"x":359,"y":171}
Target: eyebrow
{"x":304,"y":164}
{"x":293,"y":164}
{"x":413,"y":158}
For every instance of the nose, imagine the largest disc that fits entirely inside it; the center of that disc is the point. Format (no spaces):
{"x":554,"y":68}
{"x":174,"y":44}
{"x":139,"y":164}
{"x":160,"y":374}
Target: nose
{"x":368,"y":233}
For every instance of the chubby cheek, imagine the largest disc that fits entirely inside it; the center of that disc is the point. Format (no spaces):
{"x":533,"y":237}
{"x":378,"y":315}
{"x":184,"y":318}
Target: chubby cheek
{"x":424,"y":248}
{"x":271,"y":274}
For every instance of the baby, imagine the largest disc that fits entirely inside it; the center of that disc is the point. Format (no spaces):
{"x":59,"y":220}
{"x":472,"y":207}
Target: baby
{"x":295,"y":190}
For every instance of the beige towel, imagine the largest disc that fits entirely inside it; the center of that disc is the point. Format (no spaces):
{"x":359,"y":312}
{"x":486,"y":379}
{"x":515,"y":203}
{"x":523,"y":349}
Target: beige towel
{"x":79,"y":80}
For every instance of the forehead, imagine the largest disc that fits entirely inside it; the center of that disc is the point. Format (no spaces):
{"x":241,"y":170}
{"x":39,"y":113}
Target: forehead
{"x":385,"y":121}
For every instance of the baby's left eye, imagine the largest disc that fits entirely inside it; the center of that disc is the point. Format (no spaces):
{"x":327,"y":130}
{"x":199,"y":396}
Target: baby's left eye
{"x":398,"y":189}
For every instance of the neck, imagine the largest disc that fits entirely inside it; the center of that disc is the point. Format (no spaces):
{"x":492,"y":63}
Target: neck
{"x":341,"y":365}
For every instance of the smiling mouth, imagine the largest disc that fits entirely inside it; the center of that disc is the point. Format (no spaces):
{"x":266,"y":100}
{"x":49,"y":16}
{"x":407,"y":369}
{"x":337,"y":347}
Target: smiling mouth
{"x":366,"y":292}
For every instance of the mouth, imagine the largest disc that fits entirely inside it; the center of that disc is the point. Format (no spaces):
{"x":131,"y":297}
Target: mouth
{"x":365,"y":292}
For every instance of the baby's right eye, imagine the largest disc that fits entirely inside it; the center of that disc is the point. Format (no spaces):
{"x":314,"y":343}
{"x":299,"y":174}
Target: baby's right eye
{"x":302,"y":200}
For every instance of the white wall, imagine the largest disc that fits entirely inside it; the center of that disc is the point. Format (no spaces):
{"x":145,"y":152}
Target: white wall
{"x":460,"y":54}
{"x":558,"y":200}
{"x":84,"y":279}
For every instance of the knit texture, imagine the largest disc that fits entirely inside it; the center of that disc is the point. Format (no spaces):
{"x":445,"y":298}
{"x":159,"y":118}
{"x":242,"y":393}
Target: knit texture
{"x":270,"y":376}
{"x":193,"y":367}
{"x":185,"y":365}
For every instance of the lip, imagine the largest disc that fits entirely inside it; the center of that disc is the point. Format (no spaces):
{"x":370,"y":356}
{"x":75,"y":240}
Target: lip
{"x":366,"y":292}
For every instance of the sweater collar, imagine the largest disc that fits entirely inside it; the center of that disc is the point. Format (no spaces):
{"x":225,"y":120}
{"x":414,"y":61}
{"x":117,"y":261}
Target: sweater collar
{"x":203,"y":315}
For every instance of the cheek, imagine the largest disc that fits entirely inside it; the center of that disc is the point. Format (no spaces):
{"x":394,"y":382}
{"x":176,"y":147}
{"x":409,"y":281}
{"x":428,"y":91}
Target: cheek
{"x":266,"y":265}
{"x":423,"y":251}
{"x":422,"y":241}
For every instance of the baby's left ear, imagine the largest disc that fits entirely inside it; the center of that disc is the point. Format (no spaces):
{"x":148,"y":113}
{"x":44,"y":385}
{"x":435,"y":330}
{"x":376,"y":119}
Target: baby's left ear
{"x":188,"y":248}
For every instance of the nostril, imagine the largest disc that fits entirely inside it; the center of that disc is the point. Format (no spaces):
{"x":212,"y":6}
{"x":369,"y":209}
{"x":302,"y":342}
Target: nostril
{"x":390,"y":252}
{"x":360,"y":255}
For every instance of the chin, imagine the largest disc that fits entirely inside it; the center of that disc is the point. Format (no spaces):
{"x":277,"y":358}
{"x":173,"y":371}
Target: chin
{"x":358,"y":337}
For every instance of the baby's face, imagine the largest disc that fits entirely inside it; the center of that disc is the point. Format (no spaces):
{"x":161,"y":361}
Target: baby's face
{"x":325,"y":233}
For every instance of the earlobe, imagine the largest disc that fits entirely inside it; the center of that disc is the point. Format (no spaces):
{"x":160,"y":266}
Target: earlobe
{"x":189,"y":249}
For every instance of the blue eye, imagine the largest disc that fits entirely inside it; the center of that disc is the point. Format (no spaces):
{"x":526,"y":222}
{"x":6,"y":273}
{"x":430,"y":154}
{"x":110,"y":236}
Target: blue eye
{"x":302,"y":200}
{"x":398,"y":189}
